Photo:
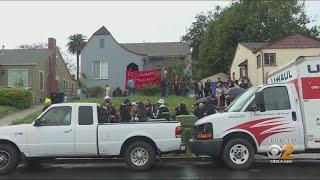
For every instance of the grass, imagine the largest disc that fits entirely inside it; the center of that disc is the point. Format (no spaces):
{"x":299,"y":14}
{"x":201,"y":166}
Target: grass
{"x":28,"y":119}
{"x":6,"y":110}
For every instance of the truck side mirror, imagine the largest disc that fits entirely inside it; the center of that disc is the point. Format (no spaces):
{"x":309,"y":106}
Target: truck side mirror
{"x":37,"y":122}
{"x":259,"y":100}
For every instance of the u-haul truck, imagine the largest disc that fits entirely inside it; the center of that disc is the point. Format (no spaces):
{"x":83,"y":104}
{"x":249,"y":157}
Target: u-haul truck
{"x":275,"y":119}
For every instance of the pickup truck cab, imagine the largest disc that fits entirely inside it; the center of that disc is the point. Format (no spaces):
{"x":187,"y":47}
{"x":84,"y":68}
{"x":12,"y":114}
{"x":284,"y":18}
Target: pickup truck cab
{"x":73,"y":130}
{"x":285,"y":111}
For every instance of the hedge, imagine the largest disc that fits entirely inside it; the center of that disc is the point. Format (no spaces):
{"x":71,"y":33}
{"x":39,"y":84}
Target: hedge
{"x":17,"y":97}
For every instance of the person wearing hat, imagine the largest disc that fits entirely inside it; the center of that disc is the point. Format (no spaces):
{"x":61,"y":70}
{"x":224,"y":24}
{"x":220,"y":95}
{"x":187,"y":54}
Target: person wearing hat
{"x":162,"y":111}
{"x":110,"y":109}
{"x":47,"y":103}
{"x":125,"y":109}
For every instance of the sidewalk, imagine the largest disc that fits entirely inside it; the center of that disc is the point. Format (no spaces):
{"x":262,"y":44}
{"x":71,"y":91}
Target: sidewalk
{"x":6,"y":120}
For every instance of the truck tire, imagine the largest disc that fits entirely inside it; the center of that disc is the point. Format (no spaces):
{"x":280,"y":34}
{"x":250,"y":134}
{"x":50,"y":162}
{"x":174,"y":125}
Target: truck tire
{"x":9,"y":158}
{"x":238,"y":154}
{"x":139,"y":155}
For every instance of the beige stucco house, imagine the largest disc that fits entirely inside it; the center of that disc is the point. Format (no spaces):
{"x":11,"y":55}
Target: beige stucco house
{"x":247,"y":60}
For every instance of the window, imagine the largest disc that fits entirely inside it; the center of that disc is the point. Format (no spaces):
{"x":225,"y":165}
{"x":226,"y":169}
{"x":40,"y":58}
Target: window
{"x":18,"y":78}
{"x":65,"y":84}
{"x":100,"y":69}
{"x":280,"y":98}
{"x":259,"y":61}
{"x":270,"y":59}
{"x":85,"y":115}
{"x":57,"y":116}
{"x":41,"y":80}
{"x":101,"y":43}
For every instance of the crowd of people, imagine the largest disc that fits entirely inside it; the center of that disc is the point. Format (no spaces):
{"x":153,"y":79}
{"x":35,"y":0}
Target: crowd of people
{"x":132,"y":111}
{"x":224,"y":92}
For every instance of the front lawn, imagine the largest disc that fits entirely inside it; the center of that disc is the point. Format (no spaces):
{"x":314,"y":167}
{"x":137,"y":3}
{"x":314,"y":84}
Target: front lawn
{"x":6,"y":110}
{"x":28,"y":119}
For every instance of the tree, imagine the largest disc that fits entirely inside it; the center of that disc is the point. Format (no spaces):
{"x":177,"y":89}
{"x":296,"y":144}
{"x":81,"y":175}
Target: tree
{"x":75,"y":45}
{"x":249,"y":21}
{"x":195,"y":32}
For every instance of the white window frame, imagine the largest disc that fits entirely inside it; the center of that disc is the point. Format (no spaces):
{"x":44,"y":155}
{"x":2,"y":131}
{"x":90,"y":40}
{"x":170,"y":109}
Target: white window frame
{"x":100,"y":77}
{"x":42,"y":90}
{"x":9,"y":72}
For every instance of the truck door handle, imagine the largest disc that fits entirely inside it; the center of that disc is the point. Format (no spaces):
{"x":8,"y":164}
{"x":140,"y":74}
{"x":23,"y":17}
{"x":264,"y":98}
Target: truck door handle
{"x":67,"y":131}
{"x":294,"y":116}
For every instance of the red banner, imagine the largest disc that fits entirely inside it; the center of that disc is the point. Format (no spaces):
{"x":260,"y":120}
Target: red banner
{"x":142,"y":78}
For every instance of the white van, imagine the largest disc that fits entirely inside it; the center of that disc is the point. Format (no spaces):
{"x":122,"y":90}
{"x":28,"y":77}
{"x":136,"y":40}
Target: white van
{"x":285,"y":111}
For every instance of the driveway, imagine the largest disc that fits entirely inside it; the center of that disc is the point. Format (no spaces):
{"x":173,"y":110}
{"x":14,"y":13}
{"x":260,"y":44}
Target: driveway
{"x":6,"y":120}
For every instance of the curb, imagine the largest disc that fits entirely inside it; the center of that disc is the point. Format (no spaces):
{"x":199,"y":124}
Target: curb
{"x":164,"y":159}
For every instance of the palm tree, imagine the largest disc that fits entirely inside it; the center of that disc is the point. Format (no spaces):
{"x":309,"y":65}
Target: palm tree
{"x":75,"y":45}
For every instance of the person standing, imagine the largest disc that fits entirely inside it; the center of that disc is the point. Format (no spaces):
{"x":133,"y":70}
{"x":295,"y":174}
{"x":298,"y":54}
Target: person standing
{"x":200,"y":89}
{"x":108,"y":90}
{"x":131,"y":86}
{"x":219,"y":91}
{"x":207,"y":88}
{"x":163,"y":85}
{"x":177,"y":85}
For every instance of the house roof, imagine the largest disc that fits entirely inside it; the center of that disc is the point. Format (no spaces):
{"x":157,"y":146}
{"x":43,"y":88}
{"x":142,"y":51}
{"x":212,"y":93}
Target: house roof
{"x":253,"y":45}
{"x":23,"y":56}
{"x":159,"y":48}
{"x":102,"y":31}
{"x":293,"y":41}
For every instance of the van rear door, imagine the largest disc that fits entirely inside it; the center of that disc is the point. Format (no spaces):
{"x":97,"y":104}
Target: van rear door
{"x":309,"y":72}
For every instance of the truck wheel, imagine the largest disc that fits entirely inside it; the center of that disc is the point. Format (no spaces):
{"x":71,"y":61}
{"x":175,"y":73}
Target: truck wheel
{"x":139,"y":155}
{"x":9,"y":158}
{"x":238,"y":154}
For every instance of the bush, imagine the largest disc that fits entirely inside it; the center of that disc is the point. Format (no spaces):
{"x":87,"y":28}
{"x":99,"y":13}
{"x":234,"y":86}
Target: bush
{"x":96,"y":91}
{"x":16,"y":97}
{"x":149,"y":90}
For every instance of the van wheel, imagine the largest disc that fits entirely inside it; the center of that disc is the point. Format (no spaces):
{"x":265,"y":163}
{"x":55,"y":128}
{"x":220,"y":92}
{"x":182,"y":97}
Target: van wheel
{"x":139,"y":155}
{"x":9,"y":158}
{"x":238,"y":154}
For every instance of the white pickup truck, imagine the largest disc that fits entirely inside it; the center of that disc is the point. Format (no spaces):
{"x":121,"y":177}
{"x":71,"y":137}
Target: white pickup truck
{"x":284,"y":111}
{"x":73,"y":130}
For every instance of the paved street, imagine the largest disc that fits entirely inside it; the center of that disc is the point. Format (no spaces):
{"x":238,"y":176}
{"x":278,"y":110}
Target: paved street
{"x":306,"y":169}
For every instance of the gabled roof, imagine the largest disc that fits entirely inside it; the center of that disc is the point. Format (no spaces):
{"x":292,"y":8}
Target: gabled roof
{"x":253,"y":45}
{"x":159,"y":48}
{"x":292,"y":41}
{"x":102,"y":31}
{"x":23,"y":56}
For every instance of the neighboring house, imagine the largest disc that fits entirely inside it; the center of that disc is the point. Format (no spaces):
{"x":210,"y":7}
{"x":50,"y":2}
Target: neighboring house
{"x":104,"y":60}
{"x":248,"y":58}
{"x":43,"y":71}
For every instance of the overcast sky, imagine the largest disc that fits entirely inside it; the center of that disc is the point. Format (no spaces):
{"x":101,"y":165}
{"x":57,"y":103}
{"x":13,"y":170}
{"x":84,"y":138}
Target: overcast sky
{"x":131,"y":21}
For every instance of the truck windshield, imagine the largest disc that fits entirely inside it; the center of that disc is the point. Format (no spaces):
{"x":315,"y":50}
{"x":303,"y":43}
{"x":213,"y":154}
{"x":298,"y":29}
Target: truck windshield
{"x":238,"y":104}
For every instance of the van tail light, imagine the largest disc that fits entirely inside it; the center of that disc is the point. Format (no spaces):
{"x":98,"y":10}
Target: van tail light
{"x":178,"y":132}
